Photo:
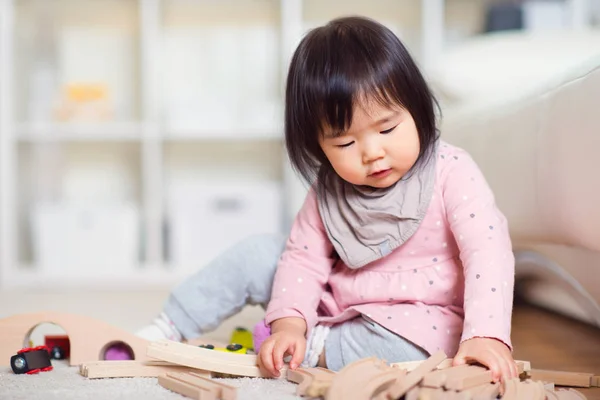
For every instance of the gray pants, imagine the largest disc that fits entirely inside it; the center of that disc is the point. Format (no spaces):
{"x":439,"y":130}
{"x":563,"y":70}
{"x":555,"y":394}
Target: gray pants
{"x":244,"y":275}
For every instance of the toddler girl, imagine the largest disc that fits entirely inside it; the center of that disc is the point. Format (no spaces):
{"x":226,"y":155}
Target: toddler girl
{"x":399,"y":249}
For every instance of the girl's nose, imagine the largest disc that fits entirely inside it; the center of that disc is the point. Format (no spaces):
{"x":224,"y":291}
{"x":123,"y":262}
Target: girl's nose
{"x":372,"y":151}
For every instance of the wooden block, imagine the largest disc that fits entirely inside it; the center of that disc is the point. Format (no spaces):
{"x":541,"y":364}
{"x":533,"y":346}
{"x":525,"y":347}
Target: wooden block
{"x":523,"y":366}
{"x":561,"y":378}
{"x":206,"y":359}
{"x":596,"y":381}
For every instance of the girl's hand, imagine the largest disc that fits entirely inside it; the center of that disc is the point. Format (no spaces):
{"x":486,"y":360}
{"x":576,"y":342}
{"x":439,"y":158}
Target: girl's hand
{"x":490,"y":352}
{"x":287,"y":339}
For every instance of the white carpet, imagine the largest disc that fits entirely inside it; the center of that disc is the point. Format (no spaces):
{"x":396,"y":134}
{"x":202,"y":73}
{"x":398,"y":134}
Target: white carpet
{"x":65,"y":383}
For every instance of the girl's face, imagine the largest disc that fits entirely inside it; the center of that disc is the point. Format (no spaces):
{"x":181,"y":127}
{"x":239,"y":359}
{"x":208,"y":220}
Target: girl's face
{"x":380,"y":146}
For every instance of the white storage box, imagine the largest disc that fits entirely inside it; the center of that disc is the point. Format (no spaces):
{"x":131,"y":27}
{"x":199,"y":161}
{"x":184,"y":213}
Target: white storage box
{"x":86,"y":241}
{"x":207,"y":219}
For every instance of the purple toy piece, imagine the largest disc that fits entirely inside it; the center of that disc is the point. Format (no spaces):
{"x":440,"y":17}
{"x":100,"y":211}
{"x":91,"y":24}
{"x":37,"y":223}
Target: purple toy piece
{"x":260,"y":332}
{"x":118,"y":352}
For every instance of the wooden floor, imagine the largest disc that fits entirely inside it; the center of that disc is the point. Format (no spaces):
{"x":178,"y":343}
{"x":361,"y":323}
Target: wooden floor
{"x":554,"y":342}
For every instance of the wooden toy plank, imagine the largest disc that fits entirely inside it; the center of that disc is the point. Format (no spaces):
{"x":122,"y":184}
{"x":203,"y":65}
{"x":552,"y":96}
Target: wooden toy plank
{"x":489,"y":391}
{"x":510,"y":389}
{"x":185,"y":389}
{"x":131,"y":369}
{"x":438,"y":378}
{"x":571,"y":393}
{"x":382,"y":382}
{"x":350,"y":381}
{"x":562,"y":378}
{"x":447,"y":363}
{"x":411,"y":365}
{"x":415,"y":376}
{"x":312,"y":382}
{"x":221,"y":390}
{"x":206,"y":359}
{"x":473,"y":375}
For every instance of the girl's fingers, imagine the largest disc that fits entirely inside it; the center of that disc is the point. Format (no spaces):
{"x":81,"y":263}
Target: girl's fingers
{"x":514,"y":371}
{"x":491,"y":361}
{"x":509,"y":369}
{"x":298,"y":355}
{"x":278,"y":352}
{"x":266,"y":358}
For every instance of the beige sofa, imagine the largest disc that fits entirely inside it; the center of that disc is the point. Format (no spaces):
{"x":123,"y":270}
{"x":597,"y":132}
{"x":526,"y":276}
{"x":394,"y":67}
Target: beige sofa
{"x":538,"y":143}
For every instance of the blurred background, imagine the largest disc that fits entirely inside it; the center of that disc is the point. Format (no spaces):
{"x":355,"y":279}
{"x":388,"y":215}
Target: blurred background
{"x":138,"y":139}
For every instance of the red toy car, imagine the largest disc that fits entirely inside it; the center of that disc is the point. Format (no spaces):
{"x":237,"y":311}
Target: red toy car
{"x":59,"y":346}
{"x":31,"y":360}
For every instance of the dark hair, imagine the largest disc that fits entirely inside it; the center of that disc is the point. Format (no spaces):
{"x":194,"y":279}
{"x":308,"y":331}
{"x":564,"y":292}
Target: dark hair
{"x":333,"y":68}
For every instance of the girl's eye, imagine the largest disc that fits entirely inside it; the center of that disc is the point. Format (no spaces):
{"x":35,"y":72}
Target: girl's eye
{"x":388,"y":130}
{"x":344,"y":145}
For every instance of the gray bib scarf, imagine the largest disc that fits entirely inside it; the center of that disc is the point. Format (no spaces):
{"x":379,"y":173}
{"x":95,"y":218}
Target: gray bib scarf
{"x":365,"y":224}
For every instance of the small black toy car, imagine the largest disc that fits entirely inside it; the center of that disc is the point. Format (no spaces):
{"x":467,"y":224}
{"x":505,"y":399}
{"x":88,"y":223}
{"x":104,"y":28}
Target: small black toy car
{"x":31,"y":360}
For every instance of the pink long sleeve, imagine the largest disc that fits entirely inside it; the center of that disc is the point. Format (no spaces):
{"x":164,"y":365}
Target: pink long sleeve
{"x":481,"y":233}
{"x":304,"y":268}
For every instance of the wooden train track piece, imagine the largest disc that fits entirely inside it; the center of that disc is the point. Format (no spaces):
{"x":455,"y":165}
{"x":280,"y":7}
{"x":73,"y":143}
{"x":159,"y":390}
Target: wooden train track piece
{"x":569,"y":394}
{"x":411,"y":365}
{"x":523,"y":366}
{"x":562,"y":378}
{"x":473,"y":375}
{"x":197,"y":386}
{"x":439,"y":377}
{"x":312,"y":382}
{"x":413,"y":378}
{"x":206,"y":359}
{"x":510,"y":389}
{"x":89,"y":338}
{"x":485,"y":392}
{"x":383,"y":381}
{"x":530,"y":390}
{"x":131,"y":369}
{"x":351,"y":380}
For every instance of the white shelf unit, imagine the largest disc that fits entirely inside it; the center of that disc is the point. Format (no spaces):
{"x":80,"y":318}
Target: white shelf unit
{"x":196,"y":96}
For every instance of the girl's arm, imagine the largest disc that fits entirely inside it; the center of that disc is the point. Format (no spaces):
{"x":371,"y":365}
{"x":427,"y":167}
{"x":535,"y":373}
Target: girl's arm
{"x":482,"y":235}
{"x":304,"y":268}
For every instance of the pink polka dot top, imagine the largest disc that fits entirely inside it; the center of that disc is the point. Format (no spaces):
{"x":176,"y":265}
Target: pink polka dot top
{"x":451,"y":281}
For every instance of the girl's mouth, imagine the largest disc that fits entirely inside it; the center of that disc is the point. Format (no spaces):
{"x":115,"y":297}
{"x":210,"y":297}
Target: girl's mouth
{"x":381,"y":174}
